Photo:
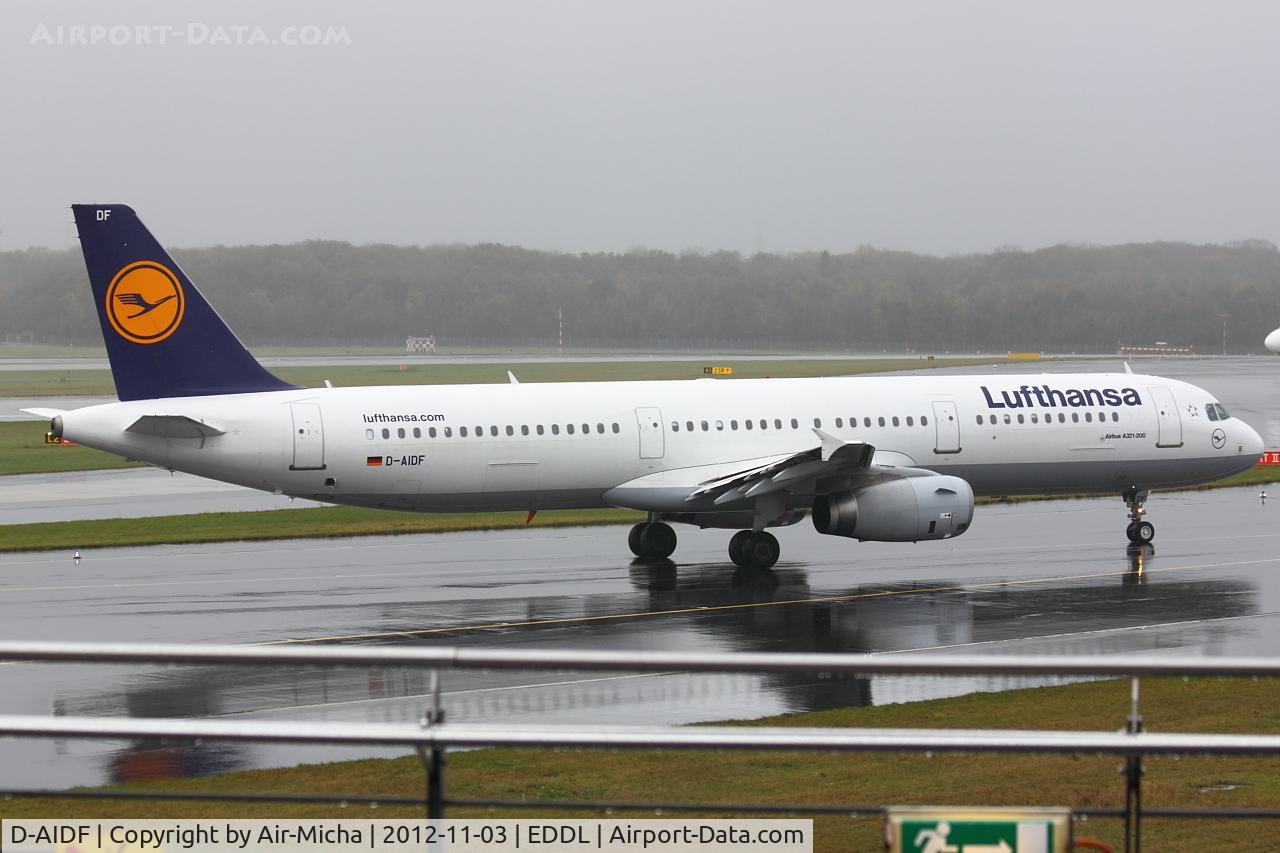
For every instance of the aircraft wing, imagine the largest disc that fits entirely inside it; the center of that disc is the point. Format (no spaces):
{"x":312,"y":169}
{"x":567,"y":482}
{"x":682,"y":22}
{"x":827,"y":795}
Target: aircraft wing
{"x":831,"y":466}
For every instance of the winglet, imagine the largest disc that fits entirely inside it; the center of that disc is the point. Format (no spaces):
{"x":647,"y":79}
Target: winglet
{"x":44,"y":413}
{"x":512,"y":377}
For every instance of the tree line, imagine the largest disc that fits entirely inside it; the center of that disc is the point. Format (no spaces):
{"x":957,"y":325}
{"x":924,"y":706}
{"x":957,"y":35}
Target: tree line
{"x":1065,"y":298}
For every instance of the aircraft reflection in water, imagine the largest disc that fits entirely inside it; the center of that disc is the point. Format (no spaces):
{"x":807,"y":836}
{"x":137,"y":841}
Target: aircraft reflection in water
{"x":748,"y":610}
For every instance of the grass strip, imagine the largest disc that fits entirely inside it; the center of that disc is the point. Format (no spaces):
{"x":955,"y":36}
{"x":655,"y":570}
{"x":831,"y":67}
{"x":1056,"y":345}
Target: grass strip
{"x":36,"y":383}
{"x":828,"y":778}
{"x":325,"y":522}
{"x":334,"y":522}
{"x":23,"y":451}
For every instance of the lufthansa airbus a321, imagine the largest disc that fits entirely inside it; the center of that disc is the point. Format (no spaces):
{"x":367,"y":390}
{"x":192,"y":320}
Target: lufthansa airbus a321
{"x":890,"y":459}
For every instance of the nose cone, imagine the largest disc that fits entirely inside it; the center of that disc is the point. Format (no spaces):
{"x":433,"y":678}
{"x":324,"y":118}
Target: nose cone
{"x":1273,"y":341}
{"x":1251,"y":441}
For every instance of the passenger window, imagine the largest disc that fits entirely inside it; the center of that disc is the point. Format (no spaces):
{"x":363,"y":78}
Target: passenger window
{"x":764,"y":424}
{"x":748,"y":424}
{"x":616,"y":430}
{"x":448,"y":432}
{"x":539,"y":429}
{"x":688,"y":425}
{"x":777,"y":423}
{"x":895,"y":420}
{"x":817,"y":422}
{"x":386,"y":433}
{"x":909,"y":421}
{"x":1062,"y":418}
{"x":925,"y":422}
{"x":675,"y":426}
{"x":866,"y":422}
{"x":733,"y":424}
{"x":1075,"y":417}
{"x":719,"y":425}
{"x":1115,"y":416}
{"x":524,"y":429}
{"x":704,"y":426}
{"x":586,"y":429}
{"x":1034,"y":418}
{"x":979,"y":420}
{"x":1021,"y":419}
{"x":479,"y":432}
{"x":569,"y":428}
{"x":795,"y":424}
{"x":993,"y":419}
{"x":880,"y":421}
{"x":600,"y":429}
{"x":1088,"y":416}
{"x":1008,"y":419}
{"x":510,"y":430}
{"x":462,"y":431}
{"x":368,"y":434}
{"x":417,"y":433}
{"x":431,"y":432}
{"x":839,"y":422}
{"x":400,"y":432}
{"x":555,"y":429}
{"x":493,"y":431}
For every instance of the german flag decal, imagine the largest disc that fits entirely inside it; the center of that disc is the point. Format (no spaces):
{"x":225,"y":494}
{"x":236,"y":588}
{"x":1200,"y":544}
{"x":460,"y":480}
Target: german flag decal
{"x":373,"y":461}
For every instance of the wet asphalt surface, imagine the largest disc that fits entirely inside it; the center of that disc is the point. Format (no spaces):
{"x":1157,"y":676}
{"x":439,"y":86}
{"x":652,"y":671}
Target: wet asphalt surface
{"x":1033,"y":578}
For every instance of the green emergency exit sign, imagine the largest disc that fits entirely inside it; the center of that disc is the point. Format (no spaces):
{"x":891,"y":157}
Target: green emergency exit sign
{"x":972,"y":830}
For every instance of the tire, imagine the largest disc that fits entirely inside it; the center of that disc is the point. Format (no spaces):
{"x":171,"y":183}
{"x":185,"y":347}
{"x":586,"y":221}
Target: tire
{"x":658,"y":540}
{"x":735,"y":547}
{"x":634,"y":539}
{"x":761,"y":551}
{"x":1128,"y":531}
{"x":1144,"y":532}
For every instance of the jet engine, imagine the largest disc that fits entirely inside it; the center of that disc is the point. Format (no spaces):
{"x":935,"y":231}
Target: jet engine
{"x":908,"y":509}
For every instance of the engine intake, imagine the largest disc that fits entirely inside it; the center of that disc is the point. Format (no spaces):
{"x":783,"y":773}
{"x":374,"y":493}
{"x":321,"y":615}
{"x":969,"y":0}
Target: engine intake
{"x":904,"y":510}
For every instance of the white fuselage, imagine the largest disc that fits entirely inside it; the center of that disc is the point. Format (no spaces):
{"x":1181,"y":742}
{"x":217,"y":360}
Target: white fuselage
{"x":644,"y":444}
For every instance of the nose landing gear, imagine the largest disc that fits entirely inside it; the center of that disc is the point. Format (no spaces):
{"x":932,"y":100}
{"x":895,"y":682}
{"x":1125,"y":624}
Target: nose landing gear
{"x":1140,"y":531}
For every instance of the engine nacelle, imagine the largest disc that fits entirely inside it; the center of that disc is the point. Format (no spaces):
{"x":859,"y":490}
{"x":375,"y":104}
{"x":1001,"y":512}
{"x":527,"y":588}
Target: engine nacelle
{"x":903,"y":510}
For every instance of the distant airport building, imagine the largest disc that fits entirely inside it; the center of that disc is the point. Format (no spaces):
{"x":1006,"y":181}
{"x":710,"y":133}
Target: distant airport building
{"x":416,"y":344}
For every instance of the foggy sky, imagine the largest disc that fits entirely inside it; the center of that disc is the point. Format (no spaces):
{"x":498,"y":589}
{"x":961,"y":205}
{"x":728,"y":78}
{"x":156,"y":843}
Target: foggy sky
{"x":583,"y":126}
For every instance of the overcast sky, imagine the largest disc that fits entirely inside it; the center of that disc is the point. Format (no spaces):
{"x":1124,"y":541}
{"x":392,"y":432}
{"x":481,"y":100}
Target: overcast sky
{"x":581,"y":126}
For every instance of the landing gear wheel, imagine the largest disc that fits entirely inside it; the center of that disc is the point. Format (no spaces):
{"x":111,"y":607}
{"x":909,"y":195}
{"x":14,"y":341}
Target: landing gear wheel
{"x":1140,"y":531}
{"x":633,"y":539}
{"x":735,"y":547}
{"x":657,"y":540}
{"x":760,"y":550}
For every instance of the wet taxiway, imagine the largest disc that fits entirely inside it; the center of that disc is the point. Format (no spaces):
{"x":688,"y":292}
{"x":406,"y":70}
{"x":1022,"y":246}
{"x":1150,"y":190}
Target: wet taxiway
{"x":127,"y":493}
{"x":1028,"y":578}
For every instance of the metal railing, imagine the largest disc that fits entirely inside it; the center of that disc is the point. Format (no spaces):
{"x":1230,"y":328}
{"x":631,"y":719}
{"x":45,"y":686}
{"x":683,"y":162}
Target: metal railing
{"x":433,"y":736}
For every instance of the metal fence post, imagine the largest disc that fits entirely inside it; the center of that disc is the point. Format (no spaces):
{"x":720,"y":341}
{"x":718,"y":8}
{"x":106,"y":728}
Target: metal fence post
{"x":1133,"y":779}
{"x":433,"y":758}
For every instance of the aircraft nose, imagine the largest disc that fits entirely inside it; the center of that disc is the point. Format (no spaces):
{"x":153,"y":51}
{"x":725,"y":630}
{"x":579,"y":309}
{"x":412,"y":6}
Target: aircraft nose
{"x":1250,"y":440}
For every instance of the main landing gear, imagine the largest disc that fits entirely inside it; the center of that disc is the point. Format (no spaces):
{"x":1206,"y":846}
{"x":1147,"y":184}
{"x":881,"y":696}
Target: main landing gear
{"x":753,"y":549}
{"x":652,"y":540}
{"x":1140,"y":531}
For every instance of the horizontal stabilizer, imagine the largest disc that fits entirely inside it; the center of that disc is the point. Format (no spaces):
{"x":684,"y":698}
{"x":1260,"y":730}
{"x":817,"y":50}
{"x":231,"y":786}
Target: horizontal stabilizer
{"x":173,"y":426}
{"x":45,"y":413}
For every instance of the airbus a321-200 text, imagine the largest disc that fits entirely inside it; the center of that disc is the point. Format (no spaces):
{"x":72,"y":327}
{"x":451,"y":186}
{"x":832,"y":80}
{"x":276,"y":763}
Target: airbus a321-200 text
{"x":886,"y":459}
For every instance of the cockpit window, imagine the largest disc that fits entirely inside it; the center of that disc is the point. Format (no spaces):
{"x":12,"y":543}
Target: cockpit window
{"x":1216,"y":412}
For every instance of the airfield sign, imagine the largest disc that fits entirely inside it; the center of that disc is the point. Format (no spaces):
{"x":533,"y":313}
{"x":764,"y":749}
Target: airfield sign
{"x":934,"y":830}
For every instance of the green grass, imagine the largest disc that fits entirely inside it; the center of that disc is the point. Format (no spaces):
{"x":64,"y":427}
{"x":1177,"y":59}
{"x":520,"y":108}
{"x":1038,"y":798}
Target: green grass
{"x":23,"y":451}
{"x":280,"y":524}
{"x":36,"y":383}
{"x":826,"y":778}
{"x":332,"y":522}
